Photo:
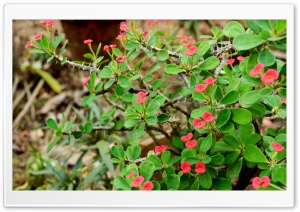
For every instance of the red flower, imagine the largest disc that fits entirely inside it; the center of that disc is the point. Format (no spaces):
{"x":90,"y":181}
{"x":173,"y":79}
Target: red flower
{"x":230,"y":61}
{"x":148,"y":186}
{"x":105,"y":48}
{"x":187,"y":137}
{"x":47,"y":23}
{"x":185,"y":38}
{"x":121,"y":37}
{"x":156,"y":22}
{"x":283,"y":100}
{"x":123,"y":26}
{"x":210,"y":81}
{"x":131,"y":175}
{"x":161,"y":148}
{"x":189,"y":44}
{"x":208,"y":117}
{"x":191,"y":144}
{"x":86,"y":80}
{"x":200,"y":168}
{"x":141,"y":97}
{"x":277,"y":147}
{"x":263,"y":182}
{"x":88,"y":41}
{"x":137,"y":182}
{"x":240,"y":58}
{"x":269,"y":76}
{"x":192,"y":50}
{"x":199,"y":123}
{"x":167,"y":21}
{"x":121,"y":59}
{"x":113,"y":46}
{"x":145,"y":33}
{"x":201,"y":87}
{"x":220,"y":57}
{"x":257,"y":70}
{"x":185,"y":167}
{"x":28,"y":44}
{"x":149,"y":23}
{"x":38,"y":36}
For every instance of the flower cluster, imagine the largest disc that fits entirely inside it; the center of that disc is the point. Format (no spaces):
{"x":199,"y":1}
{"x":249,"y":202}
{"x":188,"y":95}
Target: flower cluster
{"x":200,"y":167}
{"x":277,"y":147}
{"x":261,"y":182}
{"x":191,"y":49}
{"x":141,"y":97}
{"x":122,"y":34}
{"x":161,"y":148}
{"x":268,"y":78}
{"x":189,"y":143}
{"x":138,"y":182}
{"x":38,"y":36}
{"x":199,"y":123}
{"x":207,"y":82}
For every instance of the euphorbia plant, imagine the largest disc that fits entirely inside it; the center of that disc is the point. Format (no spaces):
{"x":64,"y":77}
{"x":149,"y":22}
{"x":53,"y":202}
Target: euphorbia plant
{"x":207,"y":98}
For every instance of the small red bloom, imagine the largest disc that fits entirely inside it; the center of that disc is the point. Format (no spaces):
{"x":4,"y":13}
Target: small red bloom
{"x":230,"y":61}
{"x":240,"y":58}
{"x":191,"y":144}
{"x":148,"y":186}
{"x":88,"y":41}
{"x":145,"y":33}
{"x":201,"y":87}
{"x":220,"y":57}
{"x":113,"y":46}
{"x":121,"y":37}
{"x":189,"y":44}
{"x":277,"y":147}
{"x":156,"y":22}
{"x":208,"y":117}
{"x":137,"y":182}
{"x":263,"y":182}
{"x":123,"y":26}
{"x":161,"y":148}
{"x":47,"y":23}
{"x":210,"y":81}
{"x":121,"y":59}
{"x":28,"y":44}
{"x":185,"y":167}
{"x":149,"y":23}
{"x":105,"y":48}
{"x":185,"y":38}
{"x":167,"y":21}
{"x":187,"y":137}
{"x":269,"y":76}
{"x":38,"y":36}
{"x":192,"y":50}
{"x":257,"y":69}
{"x":283,"y":100}
{"x":199,"y":123}
{"x":86,"y":80}
{"x":141,"y":97}
{"x":200,"y":168}
{"x":131,"y":175}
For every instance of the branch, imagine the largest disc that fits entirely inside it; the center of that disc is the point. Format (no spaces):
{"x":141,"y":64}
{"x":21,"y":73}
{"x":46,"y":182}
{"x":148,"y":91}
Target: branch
{"x":220,"y":50}
{"x":219,"y":68}
{"x":114,"y":104}
{"x":156,"y":49}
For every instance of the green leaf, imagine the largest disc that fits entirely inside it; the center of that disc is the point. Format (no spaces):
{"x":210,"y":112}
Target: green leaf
{"x":228,"y":127}
{"x":173,"y":182}
{"x":257,"y":110}
{"x":121,"y":184}
{"x":51,"y":124}
{"x":88,"y":127}
{"x":231,"y":158}
{"x":281,"y":26}
{"x":206,"y":144}
{"x":221,"y":146}
{"x":147,"y":169}
{"x":53,"y":143}
{"x":154,"y":159}
{"x":253,"y":154}
{"x":45,"y":42}
{"x":117,"y":151}
{"x":151,"y":120}
{"x":273,"y":101}
{"x":234,"y":85}
{"x":221,"y":184}
{"x":178,"y":143}
{"x":217,"y":159}
{"x":139,"y":65}
{"x":210,"y":63}
{"x":163,"y":117}
{"x":234,"y":169}
{"x":247,"y":41}
{"x":105,"y":155}
{"x":265,"y":92}
{"x":57,"y":41}
{"x":50,"y":59}
{"x":241,"y":116}
{"x":162,"y":55}
{"x":136,"y":152}
{"x":88,"y":55}
{"x":165,"y":156}
{"x":195,"y":185}
{"x":124,"y":81}
{"x":279,"y":175}
{"x":70,"y":123}
{"x":198,"y":96}
{"x":198,"y":112}
{"x":223,"y":117}
{"x":203,"y":48}
{"x":250,"y":98}
{"x":259,"y":25}
{"x":231,"y":140}
{"x":106,"y":72}
{"x":92,"y":175}
{"x":231,"y":97}
{"x":228,"y":72}
{"x":88,"y":99}
{"x":109,"y":83}
{"x":155,"y":104}
{"x":173,"y":69}
{"x":252,"y":139}
{"x":205,"y":180}
{"x":218,"y":93}
{"x":137,"y":133}
{"x":266,"y":57}
{"x":91,"y":82}
{"x":233,"y":29}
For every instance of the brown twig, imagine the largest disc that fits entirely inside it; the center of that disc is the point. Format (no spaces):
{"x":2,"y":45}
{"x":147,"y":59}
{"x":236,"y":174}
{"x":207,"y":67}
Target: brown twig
{"x":153,"y":137}
{"x":28,"y":93}
{"x":21,"y":96}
